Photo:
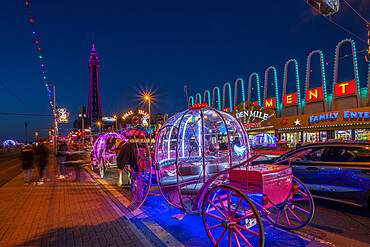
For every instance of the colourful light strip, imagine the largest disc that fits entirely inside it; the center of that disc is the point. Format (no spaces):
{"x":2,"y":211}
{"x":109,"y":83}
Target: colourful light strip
{"x":336,"y":64}
{"x":191,"y":101}
{"x":32,"y":21}
{"x":199,"y":97}
{"x":236,"y":91}
{"x":209,"y":97}
{"x":218,"y":98}
{"x":323,"y":76}
{"x":276,"y":86}
{"x":230,"y":97}
{"x":296,"y":76}
{"x":258,"y":88}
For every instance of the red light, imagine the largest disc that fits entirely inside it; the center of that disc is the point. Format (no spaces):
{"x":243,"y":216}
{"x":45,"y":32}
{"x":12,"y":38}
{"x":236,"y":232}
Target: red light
{"x":31,"y":20}
{"x":27,"y":3}
{"x":155,"y":132}
{"x":199,"y":105}
{"x":141,"y":134}
{"x":37,"y":41}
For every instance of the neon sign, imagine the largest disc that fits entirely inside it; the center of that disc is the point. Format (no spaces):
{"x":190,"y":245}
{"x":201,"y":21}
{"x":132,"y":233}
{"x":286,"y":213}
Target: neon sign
{"x":344,"y":88}
{"x":356,"y":115}
{"x":129,"y":113}
{"x":314,"y":94}
{"x":142,"y":112}
{"x":323,"y":117}
{"x":108,"y":119}
{"x":290,"y":99}
{"x":63,"y":115}
{"x":239,"y":150}
{"x":252,"y":114}
{"x":269,"y":103}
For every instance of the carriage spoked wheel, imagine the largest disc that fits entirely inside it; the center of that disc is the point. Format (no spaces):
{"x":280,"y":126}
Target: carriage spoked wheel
{"x":101,"y":168}
{"x":134,"y":183}
{"x":297,"y":211}
{"x":231,"y":219}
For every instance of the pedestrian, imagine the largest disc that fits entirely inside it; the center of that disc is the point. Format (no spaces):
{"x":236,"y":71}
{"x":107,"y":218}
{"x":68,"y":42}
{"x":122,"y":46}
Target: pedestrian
{"x":62,"y":154}
{"x":43,"y":156}
{"x":28,"y":159}
{"x":77,"y":159}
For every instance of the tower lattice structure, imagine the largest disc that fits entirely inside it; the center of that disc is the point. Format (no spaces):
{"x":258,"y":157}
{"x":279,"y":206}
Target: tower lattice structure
{"x":94,"y":111}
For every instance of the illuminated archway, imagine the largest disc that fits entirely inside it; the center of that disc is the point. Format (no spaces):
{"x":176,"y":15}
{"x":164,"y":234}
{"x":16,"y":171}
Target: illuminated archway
{"x":10,"y":143}
{"x":230,"y":97}
{"x":315,"y":106}
{"x":207,"y":96}
{"x":190,"y":101}
{"x":258,"y":88}
{"x":346,"y":101}
{"x":218,"y":98}
{"x":292,"y":106}
{"x":236,"y":91}
{"x":198,"y":98}
{"x":276,"y":98}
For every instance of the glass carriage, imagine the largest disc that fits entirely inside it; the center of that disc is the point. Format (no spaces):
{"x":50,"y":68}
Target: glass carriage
{"x":203,"y":167}
{"x":104,"y":152}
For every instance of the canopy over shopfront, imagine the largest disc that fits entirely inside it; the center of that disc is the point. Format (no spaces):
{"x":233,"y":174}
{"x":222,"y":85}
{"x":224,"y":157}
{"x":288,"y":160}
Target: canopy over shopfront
{"x":351,"y":124}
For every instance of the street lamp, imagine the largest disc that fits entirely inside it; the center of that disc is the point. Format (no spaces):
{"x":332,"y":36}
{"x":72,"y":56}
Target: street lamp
{"x":147,"y":97}
{"x":115,"y":116}
{"x":99,"y":124}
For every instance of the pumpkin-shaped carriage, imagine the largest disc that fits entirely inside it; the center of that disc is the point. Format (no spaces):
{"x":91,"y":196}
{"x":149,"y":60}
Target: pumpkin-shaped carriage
{"x":203,"y":167}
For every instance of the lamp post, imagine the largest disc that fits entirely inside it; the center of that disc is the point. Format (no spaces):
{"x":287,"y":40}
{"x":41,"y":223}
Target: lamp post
{"x":147,"y":97}
{"x":55,"y":121}
{"x":26,"y":125}
{"x":99,"y":124}
{"x":115,"y":116}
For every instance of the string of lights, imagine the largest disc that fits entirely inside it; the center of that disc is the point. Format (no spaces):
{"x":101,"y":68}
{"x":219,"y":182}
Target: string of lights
{"x":32,"y":21}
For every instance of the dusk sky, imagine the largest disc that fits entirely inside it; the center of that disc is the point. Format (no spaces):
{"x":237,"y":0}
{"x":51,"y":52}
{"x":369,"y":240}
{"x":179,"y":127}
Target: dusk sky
{"x":162,"y":45}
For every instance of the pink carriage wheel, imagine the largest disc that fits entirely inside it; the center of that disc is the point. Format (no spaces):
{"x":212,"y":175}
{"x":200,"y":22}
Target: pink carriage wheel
{"x":134,"y":183}
{"x":297,"y":211}
{"x":231,"y":219}
{"x":101,"y":168}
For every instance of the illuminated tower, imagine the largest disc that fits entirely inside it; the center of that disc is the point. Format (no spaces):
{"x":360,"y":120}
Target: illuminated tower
{"x":94,"y":106}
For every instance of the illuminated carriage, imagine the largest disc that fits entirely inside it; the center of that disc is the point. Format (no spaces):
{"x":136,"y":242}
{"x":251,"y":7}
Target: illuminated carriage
{"x":104,"y":151}
{"x":203,"y":167}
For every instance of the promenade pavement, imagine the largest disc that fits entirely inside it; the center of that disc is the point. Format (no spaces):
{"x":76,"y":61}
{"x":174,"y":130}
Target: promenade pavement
{"x":63,"y":213}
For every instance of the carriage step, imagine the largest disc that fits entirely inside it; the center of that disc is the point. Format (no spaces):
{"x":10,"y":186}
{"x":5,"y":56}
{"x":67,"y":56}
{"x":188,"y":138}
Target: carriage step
{"x":178,"y":216}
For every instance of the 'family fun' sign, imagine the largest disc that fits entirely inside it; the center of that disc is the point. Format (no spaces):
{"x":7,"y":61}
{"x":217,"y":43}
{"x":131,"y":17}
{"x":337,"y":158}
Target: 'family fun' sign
{"x":347,"y":115}
{"x":323,"y":117}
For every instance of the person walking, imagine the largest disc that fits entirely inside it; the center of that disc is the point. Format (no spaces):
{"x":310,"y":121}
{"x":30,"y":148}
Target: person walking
{"x":43,"y":155}
{"x":28,"y":159}
{"x":62,"y":154}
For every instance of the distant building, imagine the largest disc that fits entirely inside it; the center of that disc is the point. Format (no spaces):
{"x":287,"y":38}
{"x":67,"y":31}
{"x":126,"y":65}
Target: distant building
{"x":94,"y":112}
{"x":82,"y":118}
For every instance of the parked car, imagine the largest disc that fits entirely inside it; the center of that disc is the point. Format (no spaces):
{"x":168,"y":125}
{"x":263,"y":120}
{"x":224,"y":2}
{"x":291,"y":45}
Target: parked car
{"x":338,"y":171}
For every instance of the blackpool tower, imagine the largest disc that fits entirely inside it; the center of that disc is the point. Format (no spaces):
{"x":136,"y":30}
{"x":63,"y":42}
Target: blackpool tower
{"x":94,"y":111}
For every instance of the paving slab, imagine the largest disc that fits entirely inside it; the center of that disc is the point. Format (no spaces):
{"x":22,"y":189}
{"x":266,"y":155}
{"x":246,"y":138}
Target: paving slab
{"x":63,"y":213}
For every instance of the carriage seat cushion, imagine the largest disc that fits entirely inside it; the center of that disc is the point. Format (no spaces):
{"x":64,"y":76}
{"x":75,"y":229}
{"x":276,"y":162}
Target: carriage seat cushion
{"x":172,"y":180}
{"x":215,"y":168}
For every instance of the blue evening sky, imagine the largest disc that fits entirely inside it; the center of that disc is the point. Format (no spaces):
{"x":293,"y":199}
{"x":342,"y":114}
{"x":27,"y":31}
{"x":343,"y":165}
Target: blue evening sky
{"x":162,"y":45}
